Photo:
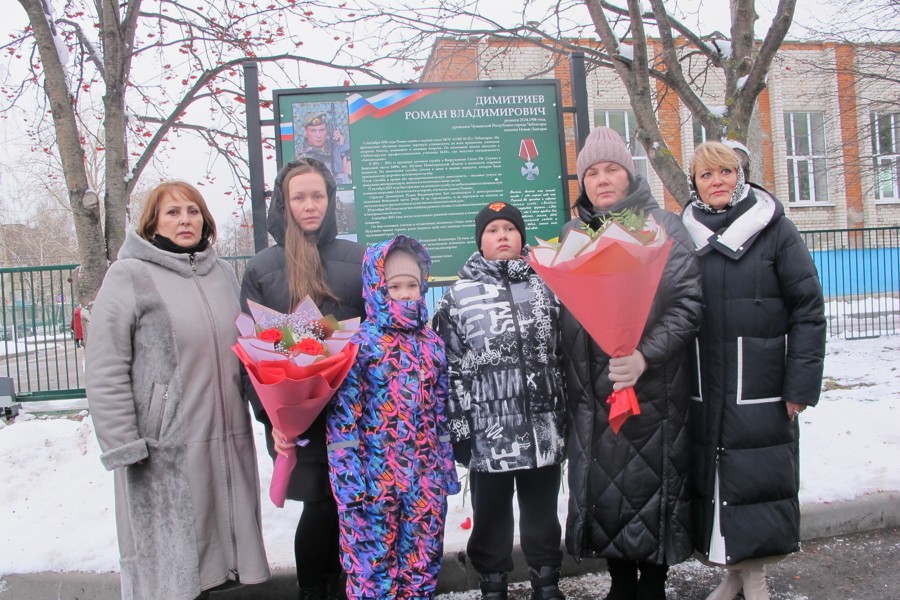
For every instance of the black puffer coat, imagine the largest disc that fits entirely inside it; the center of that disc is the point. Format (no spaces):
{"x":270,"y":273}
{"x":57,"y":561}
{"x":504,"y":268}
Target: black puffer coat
{"x":266,"y":282}
{"x":628,"y":492}
{"x":500,"y":325}
{"x":762,"y":343}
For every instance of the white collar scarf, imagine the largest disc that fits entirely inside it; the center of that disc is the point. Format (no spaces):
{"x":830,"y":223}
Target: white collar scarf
{"x":732,"y":241}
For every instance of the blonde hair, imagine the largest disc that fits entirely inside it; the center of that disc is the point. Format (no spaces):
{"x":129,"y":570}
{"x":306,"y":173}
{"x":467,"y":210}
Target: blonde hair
{"x":146,"y":224}
{"x":306,"y":273}
{"x":712,"y":155}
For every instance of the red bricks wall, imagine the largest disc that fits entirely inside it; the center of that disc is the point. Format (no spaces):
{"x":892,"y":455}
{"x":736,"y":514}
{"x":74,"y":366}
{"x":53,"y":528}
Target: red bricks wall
{"x":846,"y":82}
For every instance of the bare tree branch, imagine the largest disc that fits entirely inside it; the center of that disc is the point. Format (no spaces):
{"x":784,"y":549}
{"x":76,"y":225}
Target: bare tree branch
{"x":84,"y":65}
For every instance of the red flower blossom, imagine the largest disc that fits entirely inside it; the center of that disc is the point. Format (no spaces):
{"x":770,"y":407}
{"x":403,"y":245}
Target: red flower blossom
{"x":272,"y":335}
{"x":309,"y":346}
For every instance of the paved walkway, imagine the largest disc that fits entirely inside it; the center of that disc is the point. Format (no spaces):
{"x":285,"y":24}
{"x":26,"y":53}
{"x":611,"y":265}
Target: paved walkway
{"x":827,"y":520}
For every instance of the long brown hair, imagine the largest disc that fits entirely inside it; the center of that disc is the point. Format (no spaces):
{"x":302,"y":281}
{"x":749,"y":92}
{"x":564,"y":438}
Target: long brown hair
{"x":306,"y":273}
{"x":146,"y":224}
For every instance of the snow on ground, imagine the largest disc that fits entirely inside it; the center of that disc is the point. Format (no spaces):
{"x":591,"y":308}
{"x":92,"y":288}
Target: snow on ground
{"x":58,"y":499}
{"x":31,"y":344}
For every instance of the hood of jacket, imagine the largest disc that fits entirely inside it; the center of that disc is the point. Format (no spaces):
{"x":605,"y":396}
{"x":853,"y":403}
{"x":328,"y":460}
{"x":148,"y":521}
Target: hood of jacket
{"x":381,"y":309}
{"x":478,"y":268}
{"x":184,"y":264}
{"x":275,"y":219}
{"x":639,"y":198}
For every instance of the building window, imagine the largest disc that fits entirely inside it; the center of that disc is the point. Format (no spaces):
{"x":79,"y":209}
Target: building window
{"x":804,"y":136}
{"x":623,"y":122}
{"x":886,"y":155}
{"x":699,"y":132}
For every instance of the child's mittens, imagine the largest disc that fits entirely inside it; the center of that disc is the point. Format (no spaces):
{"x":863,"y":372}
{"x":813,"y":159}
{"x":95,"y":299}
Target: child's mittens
{"x":462,"y":452}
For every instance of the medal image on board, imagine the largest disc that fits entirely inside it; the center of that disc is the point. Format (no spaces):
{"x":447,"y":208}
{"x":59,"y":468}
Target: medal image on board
{"x":528,"y":152}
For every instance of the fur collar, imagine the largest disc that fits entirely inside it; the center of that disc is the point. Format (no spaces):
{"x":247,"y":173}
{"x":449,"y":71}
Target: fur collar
{"x":137,"y":247}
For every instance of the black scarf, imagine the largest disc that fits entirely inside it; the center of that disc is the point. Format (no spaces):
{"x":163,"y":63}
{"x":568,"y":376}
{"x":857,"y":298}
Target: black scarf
{"x":164,"y":243}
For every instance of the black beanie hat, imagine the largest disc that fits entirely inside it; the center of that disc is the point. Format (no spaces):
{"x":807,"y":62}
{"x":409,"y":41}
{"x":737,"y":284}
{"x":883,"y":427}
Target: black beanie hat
{"x":494,"y":211}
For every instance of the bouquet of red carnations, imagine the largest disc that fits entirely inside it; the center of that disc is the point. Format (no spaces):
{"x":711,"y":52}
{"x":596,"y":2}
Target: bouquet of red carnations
{"x":607,"y":279}
{"x":296,"y":362}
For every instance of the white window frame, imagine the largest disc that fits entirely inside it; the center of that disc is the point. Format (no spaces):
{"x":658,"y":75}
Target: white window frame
{"x":635,"y":148}
{"x":808,"y":164}
{"x":886,"y":158}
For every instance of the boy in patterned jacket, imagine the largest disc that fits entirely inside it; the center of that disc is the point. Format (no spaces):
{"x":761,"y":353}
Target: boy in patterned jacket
{"x":391,"y":462}
{"x":506,"y":407}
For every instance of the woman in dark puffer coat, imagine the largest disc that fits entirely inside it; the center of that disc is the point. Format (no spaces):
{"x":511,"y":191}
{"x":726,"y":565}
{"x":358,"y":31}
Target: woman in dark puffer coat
{"x":628,"y":492}
{"x":307,"y":259}
{"x":760,"y":357}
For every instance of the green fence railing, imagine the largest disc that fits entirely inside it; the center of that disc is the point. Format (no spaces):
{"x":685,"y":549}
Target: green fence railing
{"x":37,"y":347}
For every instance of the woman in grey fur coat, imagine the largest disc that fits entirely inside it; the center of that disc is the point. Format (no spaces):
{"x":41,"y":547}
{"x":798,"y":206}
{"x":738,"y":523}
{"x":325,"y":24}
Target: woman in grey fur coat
{"x":164,"y":390}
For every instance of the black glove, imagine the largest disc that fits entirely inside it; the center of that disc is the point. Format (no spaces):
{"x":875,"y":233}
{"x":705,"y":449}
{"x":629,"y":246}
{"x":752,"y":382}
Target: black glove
{"x":462,"y":452}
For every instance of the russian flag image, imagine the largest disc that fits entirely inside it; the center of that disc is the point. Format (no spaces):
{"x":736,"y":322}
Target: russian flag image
{"x":385,"y":103}
{"x":287,"y":131}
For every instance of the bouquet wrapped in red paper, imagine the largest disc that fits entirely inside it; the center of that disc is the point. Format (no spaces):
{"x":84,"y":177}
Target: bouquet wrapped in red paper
{"x":607,"y":279}
{"x":296,"y":362}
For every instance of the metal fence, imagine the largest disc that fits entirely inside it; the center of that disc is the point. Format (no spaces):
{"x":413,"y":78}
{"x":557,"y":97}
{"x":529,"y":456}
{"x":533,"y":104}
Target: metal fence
{"x":860,"y":274}
{"x":37,"y":347}
{"x":859,"y":270}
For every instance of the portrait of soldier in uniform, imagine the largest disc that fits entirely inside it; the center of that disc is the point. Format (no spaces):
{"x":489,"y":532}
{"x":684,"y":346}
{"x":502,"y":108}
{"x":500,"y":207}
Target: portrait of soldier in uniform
{"x":323,"y":138}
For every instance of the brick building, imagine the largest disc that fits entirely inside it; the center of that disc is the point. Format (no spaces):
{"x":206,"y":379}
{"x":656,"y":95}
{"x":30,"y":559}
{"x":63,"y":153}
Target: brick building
{"x":825,"y":136}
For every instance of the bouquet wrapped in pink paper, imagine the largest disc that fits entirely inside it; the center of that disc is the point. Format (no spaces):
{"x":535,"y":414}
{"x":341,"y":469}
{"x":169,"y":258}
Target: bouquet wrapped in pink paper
{"x":296,"y":362}
{"x":607,"y":279}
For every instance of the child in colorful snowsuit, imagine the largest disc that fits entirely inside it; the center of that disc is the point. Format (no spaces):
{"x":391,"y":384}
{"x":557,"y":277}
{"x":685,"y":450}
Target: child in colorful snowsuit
{"x":506,"y":408}
{"x":389,"y":448}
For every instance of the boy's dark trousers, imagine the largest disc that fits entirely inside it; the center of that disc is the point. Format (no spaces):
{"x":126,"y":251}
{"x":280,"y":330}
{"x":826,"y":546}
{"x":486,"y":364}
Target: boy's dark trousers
{"x":490,"y":545}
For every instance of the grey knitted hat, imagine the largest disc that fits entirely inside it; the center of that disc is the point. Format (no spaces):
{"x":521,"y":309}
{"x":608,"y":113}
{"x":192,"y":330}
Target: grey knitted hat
{"x":399,"y":261}
{"x":603,"y":145}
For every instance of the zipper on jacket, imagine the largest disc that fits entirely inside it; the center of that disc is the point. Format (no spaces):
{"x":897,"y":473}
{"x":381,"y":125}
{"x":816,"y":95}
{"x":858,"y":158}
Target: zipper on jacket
{"x":515,"y":316}
{"x":417,"y":410}
{"x":193,"y":263}
{"x":224,"y":417}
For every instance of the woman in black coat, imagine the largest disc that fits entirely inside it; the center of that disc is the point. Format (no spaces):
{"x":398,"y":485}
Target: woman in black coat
{"x":308,"y":259}
{"x":628,"y":492}
{"x":759,"y":364}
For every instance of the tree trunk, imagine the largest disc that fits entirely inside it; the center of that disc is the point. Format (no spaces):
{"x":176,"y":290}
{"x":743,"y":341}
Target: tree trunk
{"x":88,"y":231}
{"x":116,"y":35}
